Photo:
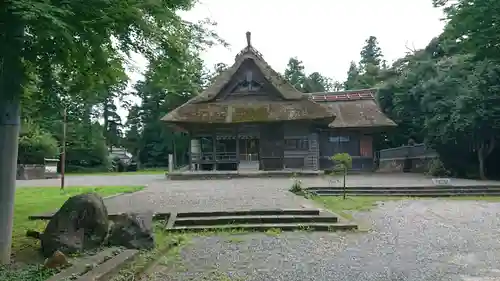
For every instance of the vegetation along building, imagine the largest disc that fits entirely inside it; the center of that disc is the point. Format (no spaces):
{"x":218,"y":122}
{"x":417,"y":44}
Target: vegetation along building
{"x":252,"y":118}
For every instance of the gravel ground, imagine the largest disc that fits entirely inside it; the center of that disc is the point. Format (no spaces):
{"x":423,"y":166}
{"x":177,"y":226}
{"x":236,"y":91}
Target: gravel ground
{"x":210,"y":195}
{"x":410,"y":240}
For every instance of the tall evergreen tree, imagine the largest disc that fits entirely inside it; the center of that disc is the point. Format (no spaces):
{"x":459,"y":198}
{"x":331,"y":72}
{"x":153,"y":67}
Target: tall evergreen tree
{"x":352,"y":81}
{"x":371,"y":54}
{"x":316,"y":82}
{"x":295,"y":74}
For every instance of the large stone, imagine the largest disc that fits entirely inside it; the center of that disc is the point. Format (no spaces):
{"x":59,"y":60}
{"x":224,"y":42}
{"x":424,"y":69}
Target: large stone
{"x":133,"y":231}
{"x":80,"y":224}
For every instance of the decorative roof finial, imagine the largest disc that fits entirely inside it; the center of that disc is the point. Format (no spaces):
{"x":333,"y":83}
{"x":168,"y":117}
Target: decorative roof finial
{"x":249,"y":38}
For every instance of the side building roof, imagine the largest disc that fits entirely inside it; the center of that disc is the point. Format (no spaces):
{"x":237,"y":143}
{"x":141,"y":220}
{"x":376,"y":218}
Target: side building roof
{"x":354,"y":109}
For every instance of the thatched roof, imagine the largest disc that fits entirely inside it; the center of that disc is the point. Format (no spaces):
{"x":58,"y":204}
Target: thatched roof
{"x":257,"y":111}
{"x":287,"y":91}
{"x":205,"y":109}
{"x":354,"y":109}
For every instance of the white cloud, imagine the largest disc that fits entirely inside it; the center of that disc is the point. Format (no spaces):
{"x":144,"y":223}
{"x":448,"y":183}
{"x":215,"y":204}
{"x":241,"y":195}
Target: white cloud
{"x":325,"y":34}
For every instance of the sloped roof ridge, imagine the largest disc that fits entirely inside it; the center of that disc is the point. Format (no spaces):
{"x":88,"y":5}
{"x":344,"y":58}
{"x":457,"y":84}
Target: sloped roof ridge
{"x":287,"y":91}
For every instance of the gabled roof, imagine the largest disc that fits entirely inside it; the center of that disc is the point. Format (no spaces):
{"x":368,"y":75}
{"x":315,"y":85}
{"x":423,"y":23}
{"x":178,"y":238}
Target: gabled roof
{"x":287,"y":91}
{"x":205,"y":109}
{"x":354,"y":109}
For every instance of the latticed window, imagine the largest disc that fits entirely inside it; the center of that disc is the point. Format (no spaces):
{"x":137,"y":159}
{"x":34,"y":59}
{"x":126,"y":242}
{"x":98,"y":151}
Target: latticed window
{"x":297,"y":144}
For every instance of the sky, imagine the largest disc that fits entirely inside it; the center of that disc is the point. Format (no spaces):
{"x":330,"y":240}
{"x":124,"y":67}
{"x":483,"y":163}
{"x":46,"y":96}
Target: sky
{"x":326,"y":35}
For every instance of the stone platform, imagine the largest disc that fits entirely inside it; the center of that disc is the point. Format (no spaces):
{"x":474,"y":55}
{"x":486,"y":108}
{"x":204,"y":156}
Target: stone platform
{"x":245,"y":173}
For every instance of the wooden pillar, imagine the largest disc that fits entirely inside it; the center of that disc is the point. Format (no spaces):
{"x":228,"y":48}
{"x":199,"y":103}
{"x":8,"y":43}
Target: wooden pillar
{"x":214,"y":139}
{"x":190,"y":137}
{"x":237,"y":148}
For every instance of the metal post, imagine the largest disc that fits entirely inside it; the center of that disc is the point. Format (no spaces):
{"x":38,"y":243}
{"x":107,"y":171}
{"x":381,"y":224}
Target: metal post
{"x":63,"y":152}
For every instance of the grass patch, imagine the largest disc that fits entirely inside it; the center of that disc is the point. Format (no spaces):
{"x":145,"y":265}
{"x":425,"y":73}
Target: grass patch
{"x":28,"y":273}
{"x":343,"y":207}
{"x":273,"y":231}
{"x":34,"y":200}
{"x":167,"y":250}
{"x":365,"y":203}
{"x":167,"y":253}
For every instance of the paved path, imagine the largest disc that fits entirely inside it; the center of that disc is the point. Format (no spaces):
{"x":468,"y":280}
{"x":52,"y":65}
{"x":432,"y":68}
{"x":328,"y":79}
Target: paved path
{"x":411,"y":240}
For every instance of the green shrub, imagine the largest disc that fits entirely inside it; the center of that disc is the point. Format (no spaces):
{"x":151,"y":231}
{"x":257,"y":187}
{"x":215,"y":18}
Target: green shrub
{"x":296,"y":187}
{"x":436,"y":168}
{"x":35,"y":145}
{"x":343,"y":161}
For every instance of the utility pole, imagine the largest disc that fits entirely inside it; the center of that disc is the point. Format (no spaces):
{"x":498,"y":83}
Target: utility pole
{"x":63,"y":152}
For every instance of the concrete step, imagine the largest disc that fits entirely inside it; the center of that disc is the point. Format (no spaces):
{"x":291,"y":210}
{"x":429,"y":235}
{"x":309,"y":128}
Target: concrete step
{"x":404,"y":194}
{"x":265,"y":227}
{"x":256,"y":212}
{"x":207,"y":175}
{"x":413,"y":191}
{"x":388,"y":187}
{"x":188,"y":221}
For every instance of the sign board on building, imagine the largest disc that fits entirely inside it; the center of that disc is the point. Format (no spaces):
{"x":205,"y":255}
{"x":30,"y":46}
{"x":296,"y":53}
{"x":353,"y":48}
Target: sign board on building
{"x":339,"y":139}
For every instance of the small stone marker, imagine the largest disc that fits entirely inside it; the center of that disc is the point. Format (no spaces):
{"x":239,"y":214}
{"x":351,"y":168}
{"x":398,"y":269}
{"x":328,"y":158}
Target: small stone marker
{"x":441,"y":181}
{"x":334,"y":182}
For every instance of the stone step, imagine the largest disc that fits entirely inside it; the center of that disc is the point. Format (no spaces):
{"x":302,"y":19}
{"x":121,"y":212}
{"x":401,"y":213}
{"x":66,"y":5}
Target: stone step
{"x":404,"y":194}
{"x":207,"y":175}
{"x":256,"y":212}
{"x":253,"y":220}
{"x":265,"y":227}
{"x":419,"y":187}
{"x":413,"y":191}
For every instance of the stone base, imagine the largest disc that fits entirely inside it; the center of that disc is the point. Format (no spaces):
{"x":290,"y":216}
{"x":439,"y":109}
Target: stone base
{"x":397,"y":165}
{"x":207,"y":175}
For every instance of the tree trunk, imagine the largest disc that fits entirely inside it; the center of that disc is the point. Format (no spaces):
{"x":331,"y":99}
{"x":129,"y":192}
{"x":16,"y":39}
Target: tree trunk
{"x":480,"y":157}
{"x":11,"y":83}
{"x":106,"y":125}
{"x":483,"y":152}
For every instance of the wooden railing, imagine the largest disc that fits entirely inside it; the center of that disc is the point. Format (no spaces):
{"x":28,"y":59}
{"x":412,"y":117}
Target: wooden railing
{"x":208,"y":157}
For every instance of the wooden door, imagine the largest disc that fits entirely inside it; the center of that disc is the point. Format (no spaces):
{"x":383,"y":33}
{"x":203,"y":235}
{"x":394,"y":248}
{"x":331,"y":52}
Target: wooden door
{"x":272,"y":144}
